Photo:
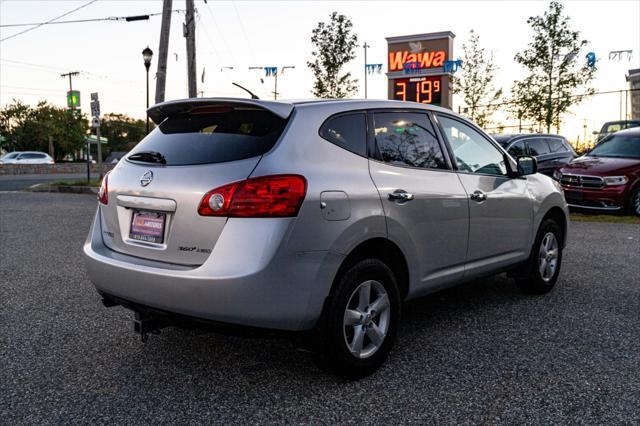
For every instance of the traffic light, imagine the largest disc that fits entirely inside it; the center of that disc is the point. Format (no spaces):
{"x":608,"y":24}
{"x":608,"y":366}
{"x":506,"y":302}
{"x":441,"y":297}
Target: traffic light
{"x":73,"y":98}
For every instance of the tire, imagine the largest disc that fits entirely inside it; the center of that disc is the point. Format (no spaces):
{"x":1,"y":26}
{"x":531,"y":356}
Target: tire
{"x":634,"y":202}
{"x":541,"y":271}
{"x":356,"y":340}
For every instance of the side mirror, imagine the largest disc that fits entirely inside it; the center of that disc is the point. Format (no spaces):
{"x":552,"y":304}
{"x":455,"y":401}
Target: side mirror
{"x":527,"y":165}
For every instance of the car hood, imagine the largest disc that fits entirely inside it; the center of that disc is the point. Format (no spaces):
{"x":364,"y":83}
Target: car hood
{"x":601,"y":166}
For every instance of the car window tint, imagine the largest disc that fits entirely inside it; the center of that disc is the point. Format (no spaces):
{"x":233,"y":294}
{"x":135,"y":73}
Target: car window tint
{"x":473,"y":152}
{"x":212,"y":134}
{"x":517,"y":149}
{"x":348,"y":131}
{"x":538,"y":146}
{"x":556,"y":145}
{"x":407,"y":139}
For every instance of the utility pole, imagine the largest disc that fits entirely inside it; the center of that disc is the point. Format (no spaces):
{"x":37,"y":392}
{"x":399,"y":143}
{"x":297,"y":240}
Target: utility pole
{"x":275,"y":72}
{"x":189,"y":31}
{"x":71,"y":74}
{"x":365,"y":46}
{"x":163,"y":51}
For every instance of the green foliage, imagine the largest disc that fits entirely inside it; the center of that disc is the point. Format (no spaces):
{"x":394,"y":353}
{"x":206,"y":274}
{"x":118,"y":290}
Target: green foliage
{"x":122,"y":132}
{"x":335,"y":47}
{"x":27,"y":128}
{"x":475,"y":82}
{"x":556,"y":66}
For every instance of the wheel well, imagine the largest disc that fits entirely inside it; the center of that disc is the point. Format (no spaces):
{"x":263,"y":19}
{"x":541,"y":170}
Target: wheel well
{"x":558,"y":215}
{"x":386,"y":251}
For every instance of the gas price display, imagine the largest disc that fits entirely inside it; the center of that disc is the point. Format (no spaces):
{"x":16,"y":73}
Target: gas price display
{"x":426,"y":90}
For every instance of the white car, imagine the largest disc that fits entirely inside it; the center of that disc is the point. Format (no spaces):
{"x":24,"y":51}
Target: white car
{"x":27,"y":157}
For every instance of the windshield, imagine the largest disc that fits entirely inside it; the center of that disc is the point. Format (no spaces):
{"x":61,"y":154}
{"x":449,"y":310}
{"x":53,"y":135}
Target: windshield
{"x":10,"y":156}
{"x":619,"y":146}
{"x":620,"y":125}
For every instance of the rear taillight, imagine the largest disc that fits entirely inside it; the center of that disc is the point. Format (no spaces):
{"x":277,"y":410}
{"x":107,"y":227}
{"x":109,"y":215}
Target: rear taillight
{"x":103,"y":193}
{"x":265,"y":196}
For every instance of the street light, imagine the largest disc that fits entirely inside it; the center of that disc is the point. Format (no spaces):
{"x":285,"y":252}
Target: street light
{"x":147,"y":54}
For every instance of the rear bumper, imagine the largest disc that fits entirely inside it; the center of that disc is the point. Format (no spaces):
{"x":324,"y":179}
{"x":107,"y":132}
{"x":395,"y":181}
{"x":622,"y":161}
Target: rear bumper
{"x":249,"y":279}
{"x":612,"y":198}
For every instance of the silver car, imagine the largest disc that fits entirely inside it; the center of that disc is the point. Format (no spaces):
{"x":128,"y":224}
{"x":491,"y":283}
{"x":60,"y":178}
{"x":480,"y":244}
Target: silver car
{"x":315,"y":219}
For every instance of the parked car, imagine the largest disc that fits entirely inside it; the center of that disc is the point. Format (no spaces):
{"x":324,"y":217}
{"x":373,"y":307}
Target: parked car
{"x":317,"y":219}
{"x":551,"y":151}
{"x":608,"y":177}
{"x":614,"y":126}
{"x":27,"y":157}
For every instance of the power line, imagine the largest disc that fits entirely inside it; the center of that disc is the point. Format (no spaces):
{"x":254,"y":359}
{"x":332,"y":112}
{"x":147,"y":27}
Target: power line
{"x":109,"y":18}
{"x":48,"y":22}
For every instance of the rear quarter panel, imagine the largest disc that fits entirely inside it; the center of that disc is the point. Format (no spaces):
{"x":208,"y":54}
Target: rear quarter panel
{"x":326,"y":167}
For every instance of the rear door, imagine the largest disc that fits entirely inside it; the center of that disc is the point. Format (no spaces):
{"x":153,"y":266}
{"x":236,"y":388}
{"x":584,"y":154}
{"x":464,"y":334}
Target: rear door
{"x":154,"y":193}
{"x":424,"y":202}
{"x":500,"y":208}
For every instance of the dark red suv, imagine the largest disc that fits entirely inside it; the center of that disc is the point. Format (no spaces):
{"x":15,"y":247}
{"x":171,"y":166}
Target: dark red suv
{"x":608,"y":177}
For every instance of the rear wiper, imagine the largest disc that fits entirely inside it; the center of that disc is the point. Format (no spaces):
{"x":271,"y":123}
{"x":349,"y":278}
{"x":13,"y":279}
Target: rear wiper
{"x":148,"y":157}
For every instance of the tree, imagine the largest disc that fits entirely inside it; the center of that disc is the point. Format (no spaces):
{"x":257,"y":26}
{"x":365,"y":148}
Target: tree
{"x":122,"y":132}
{"x":335,"y":47}
{"x":26,"y":128}
{"x":554,"y":60}
{"x":476,"y":81}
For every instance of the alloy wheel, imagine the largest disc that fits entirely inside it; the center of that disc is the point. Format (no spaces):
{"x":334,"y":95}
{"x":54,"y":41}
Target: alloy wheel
{"x":548,"y":256}
{"x":366,"y":319}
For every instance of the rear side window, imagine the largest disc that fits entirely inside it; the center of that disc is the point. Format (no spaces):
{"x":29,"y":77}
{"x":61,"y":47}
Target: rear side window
{"x":538,"y":146}
{"x":407,"y":139}
{"x":348,"y":131}
{"x":31,"y":156}
{"x":556,"y":145}
{"x":212,"y":134}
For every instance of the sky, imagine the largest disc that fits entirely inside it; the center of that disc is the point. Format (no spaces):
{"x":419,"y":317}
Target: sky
{"x":241,"y":34}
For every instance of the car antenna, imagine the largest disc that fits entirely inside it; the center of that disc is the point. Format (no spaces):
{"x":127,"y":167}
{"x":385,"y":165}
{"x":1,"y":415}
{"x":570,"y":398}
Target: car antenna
{"x":253,"y":96}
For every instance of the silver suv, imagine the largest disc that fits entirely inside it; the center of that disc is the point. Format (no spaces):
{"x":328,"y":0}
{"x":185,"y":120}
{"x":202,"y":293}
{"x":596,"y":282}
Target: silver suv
{"x":316,"y":219}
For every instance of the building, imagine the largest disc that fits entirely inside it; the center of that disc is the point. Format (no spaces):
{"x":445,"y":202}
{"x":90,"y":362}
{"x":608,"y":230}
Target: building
{"x":634,"y":86}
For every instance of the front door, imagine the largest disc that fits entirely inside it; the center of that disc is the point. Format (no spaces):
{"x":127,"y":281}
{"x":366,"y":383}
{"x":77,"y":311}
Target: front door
{"x":500,"y":207}
{"x":424,"y":202}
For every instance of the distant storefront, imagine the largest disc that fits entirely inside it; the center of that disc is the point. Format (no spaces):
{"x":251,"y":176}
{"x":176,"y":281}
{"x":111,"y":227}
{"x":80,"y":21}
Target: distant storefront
{"x":420,"y":68}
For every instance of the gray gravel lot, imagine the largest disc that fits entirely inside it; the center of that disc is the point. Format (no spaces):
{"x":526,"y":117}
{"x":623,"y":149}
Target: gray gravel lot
{"x":480,"y":353}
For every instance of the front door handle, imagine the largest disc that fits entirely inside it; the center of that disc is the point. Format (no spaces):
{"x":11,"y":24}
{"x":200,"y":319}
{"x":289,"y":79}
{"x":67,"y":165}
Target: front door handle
{"x":400,"y":195}
{"x":478,"y":196}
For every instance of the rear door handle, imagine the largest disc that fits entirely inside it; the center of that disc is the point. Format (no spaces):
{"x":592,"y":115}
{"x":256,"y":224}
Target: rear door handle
{"x":478,"y":196}
{"x":400,"y":195}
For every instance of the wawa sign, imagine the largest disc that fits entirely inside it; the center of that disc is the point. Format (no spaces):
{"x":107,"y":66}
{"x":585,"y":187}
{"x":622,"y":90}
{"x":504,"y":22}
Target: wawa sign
{"x":416,"y":68}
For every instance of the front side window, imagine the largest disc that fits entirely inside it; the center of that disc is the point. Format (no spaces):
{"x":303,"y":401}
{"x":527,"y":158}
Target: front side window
{"x":407,"y":139}
{"x":538,"y":146}
{"x":556,"y":145}
{"x":517,"y":149}
{"x":348,"y":131}
{"x":473,"y":152}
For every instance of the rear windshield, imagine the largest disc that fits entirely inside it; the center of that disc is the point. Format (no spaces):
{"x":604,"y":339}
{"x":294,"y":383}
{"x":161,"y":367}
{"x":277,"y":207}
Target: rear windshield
{"x":208,"y":135}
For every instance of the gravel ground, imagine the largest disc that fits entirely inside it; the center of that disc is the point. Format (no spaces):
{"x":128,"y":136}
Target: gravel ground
{"x":480,"y":353}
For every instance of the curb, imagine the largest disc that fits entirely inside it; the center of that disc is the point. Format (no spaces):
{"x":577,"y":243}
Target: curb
{"x":65,"y":189}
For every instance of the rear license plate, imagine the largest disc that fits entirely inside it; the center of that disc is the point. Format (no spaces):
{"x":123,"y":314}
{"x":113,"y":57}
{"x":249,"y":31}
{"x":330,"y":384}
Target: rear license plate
{"x":147,"y":226}
{"x":573,"y":195}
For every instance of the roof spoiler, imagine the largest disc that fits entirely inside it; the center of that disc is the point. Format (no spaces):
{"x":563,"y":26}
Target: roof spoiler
{"x":159,"y":112}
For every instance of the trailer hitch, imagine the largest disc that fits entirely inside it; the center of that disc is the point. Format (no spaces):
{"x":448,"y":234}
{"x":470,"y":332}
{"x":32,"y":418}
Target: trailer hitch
{"x":145,"y":324}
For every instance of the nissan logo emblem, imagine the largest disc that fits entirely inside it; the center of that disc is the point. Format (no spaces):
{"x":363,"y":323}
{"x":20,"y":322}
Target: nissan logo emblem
{"x":146,"y":178}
